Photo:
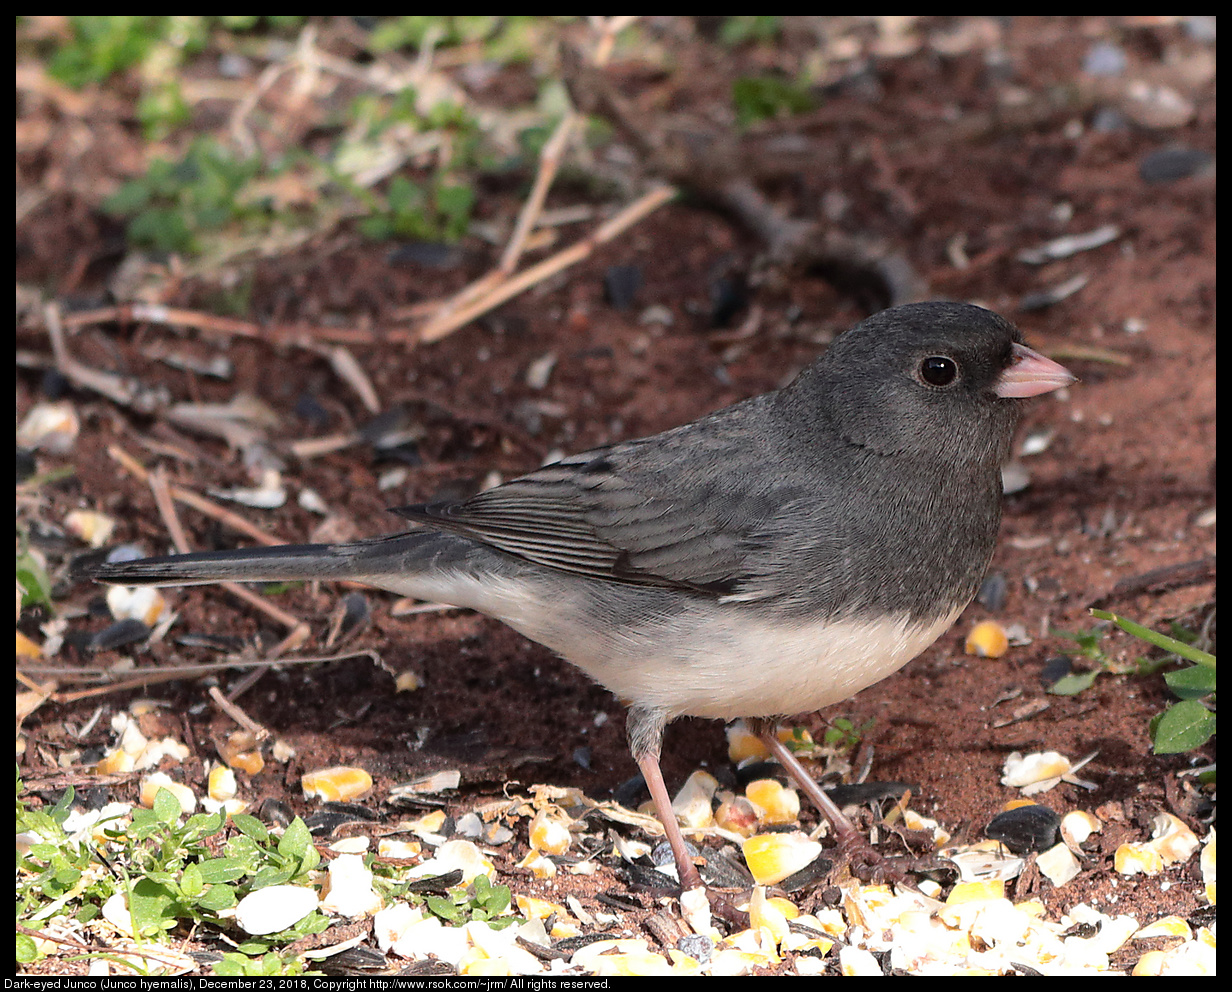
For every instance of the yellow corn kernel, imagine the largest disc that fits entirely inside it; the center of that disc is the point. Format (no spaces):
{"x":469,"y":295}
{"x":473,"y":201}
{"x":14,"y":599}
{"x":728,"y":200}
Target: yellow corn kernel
{"x":1137,"y":859}
{"x":91,"y":526}
{"x":549,"y":834}
{"x":115,"y":763}
{"x":766,"y":915}
{"x":993,"y":888}
{"x":152,"y":784}
{"x":1173,"y":840}
{"x":742,"y":744}
{"x":539,"y":865}
{"x":1169,"y":926}
{"x":987,"y":640}
{"x":539,"y":909}
{"x":773,"y":857}
{"x":778,"y":804}
{"x":339,"y":784}
{"x":1150,"y":964}
{"x":737,"y":815}
{"x":222,"y":783}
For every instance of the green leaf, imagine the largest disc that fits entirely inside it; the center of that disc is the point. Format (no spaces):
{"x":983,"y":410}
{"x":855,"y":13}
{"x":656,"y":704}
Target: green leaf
{"x":202,"y":825}
{"x":221,"y":870}
{"x":191,"y":884}
{"x":35,"y":585}
{"x":67,"y":876}
{"x":295,"y":840}
{"x":250,"y":826}
{"x":760,"y":97}
{"x":166,"y":807}
{"x":1186,"y":651}
{"x":1087,"y":641}
{"x":27,"y":949}
{"x":454,"y":202}
{"x":497,"y":899}
{"x":444,"y":908}
{"x":268,"y":875}
{"x":312,"y":858}
{"x":1194,"y":682}
{"x":749,"y":27}
{"x":246,"y":851}
{"x":1183,"y":727}
{"x":231,"y":966}
{"x":1074,"y":683}
{"x":59,"y":813}
{"x":152,"y":906}
{"x":217,"y":898}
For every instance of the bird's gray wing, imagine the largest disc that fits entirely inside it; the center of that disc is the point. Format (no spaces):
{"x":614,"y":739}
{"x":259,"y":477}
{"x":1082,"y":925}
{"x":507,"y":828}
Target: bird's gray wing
{"x":676,"y":515}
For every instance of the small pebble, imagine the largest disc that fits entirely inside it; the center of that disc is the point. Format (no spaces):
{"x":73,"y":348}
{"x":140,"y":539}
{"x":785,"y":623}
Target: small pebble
{"x":1105,"y":59}
{"x":1177,"y":162}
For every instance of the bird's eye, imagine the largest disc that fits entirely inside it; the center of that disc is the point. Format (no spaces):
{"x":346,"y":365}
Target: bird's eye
{"x":938,"y":370}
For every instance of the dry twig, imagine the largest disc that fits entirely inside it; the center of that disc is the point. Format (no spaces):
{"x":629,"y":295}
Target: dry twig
{"x":164,"y":494}
{"x":499,"y":285}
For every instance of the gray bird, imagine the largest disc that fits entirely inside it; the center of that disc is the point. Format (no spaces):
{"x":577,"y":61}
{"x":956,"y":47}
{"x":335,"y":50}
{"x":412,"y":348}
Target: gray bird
{"x":767,"y":559}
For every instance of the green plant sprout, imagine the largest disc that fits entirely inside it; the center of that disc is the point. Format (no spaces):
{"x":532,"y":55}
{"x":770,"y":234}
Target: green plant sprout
{"x":1190,"y":723}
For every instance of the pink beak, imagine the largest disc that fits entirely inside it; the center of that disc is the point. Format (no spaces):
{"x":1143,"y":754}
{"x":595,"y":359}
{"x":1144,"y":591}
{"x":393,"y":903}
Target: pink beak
{"x":1031,"y":374}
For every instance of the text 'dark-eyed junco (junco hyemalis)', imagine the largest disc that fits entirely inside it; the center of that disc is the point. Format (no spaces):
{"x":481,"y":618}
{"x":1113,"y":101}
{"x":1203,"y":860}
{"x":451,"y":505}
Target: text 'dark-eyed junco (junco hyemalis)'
{"x":767,"y":559}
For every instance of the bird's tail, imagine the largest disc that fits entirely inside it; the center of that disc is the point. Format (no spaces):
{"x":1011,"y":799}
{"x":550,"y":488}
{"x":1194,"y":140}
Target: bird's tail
{"x":361,"y":561}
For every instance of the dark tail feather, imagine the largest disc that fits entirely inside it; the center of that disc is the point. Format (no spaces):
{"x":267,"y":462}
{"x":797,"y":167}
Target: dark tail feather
{"x":277,"y":564}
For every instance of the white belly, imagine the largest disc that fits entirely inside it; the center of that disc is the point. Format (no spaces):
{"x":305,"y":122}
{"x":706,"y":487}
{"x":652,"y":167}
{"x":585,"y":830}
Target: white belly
{"x":721,"y":660}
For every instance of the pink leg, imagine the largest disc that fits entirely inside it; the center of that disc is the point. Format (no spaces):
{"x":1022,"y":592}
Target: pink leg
{"x":685,"y":869}
{"x":645,"y":731}
{"x":852,"y":846}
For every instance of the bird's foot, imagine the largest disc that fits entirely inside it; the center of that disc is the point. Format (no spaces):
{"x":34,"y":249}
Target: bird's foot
{"x":867,"y":863}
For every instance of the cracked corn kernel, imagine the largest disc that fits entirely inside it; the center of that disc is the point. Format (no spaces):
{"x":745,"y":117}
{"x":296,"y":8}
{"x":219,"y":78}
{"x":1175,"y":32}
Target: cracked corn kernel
{"x":1172,"y":839}
{"x":694,"y":803}
{"x":91,"y":526}
{"x":249,"y":762}
{"x":461,"y":855}
{"x":539,"y":909}
{"x":1137,"y":859}
{"x":1169,"y":926}
{"x":987,"y":640}
{"x":742,"y":744}
{"x":115,"y":762}
{"x":737,"y":815}
{"x":1077,"y":826}
{"x":153,"y":784}
{"x":222,"y":783}
{"x":767,"y":914}
{"x":241,"y":751}
{"x":549,"y":834}
{"x":773,"y":857}
{"x":1058,"y":865}
{"x":339,"y":784}
{"x":1206,"y":861}
{"x":407,"y":681}
{"x":477,"y":962}
{"x":144,"y":603}
{"x":974,"y":891}
{"x":401,"y":850}
{"x":539,"y":865}
{"x":348,"y":890}
{"x":1150,"y":964}
{"x":777,"y":803}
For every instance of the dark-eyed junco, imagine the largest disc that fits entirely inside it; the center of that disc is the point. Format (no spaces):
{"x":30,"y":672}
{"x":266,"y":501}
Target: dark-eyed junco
{"x":767,"y":559}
